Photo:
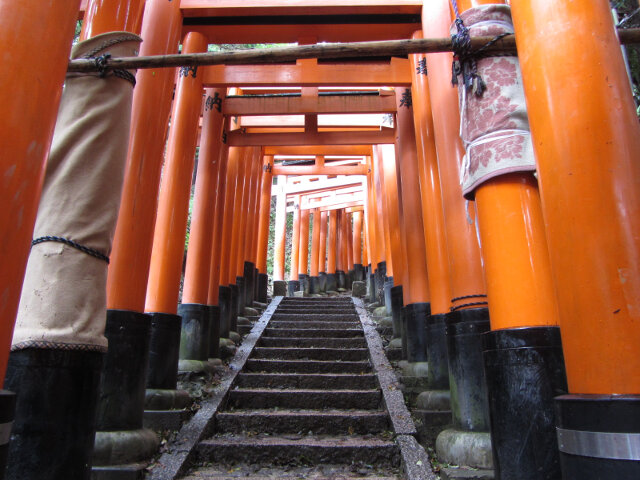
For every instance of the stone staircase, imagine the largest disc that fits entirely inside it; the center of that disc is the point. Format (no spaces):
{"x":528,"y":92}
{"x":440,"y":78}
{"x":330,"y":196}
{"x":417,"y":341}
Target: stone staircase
{"x":307,"y":403}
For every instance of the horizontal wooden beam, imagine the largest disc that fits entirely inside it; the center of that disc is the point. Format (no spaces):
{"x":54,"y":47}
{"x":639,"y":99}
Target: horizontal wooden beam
{"x":333,"y":192}
{"x":317,"y":150}
{"x":239,"y":139}
{"x":316,"y":170}
{"x":280,"y":105}
{"x":359,"y":208}
{"x":320,"y":185}
{"x":340,"y":206}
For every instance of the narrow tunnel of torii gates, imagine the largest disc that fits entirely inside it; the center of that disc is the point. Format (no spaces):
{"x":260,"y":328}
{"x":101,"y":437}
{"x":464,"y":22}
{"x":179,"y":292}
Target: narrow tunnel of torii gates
{"x":342,"y":267}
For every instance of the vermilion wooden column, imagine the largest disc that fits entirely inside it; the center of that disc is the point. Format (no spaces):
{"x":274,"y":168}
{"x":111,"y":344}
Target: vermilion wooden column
{"x":315,"y":244}
{"x":357,"y":243}
{"x":303,"y":259}
{"x":382,"y":220}
{"x":196,"y":277}
{"x":280,"y":230}
{"x":590,"y":188}
{"x":132,"y":242}
{"x":29,"y":104}
{"x":218,"y":222}
{"x":370,"y":223}
{"x":239,"y":215}
{"x":102,"y":16}
{"x":349,"y":242}
{"x":173,"y":206}
{"x":233,"y":165}
{"x":467,"y":277}
{"x":432,"y":212}
{"x":331,"y":250}
{"x":322,"y":249}
{"x":295,"y":240}
{"x":265,"y":212}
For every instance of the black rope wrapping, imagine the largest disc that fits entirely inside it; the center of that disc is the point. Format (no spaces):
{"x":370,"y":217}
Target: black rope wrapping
{"x":472,"y":304}
{"x":71,"y":243}
{"x":479,"y":295}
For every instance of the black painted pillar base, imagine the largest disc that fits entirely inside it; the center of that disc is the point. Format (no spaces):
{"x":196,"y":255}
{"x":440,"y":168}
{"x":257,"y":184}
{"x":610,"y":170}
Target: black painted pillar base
{"x":224,"y":303}
{"x":332,"y":282}
{"x":469,"y":402}
{"x":304,"y":286}
{"x":358,"y":272}
{"x":371,"y":287}
{"x":524,"y":367}
{"x":120,"y":438}
{"x":55,"y":417}
{"x":598,"y":436}
{"x":396,"y":310}
{"x":164,"y":348}
{"x":249,"y":281}
{"x":322,"y":282}
{"x":381,"y":276}
{"x":196,"y":331}
{"x":436,"y":336}
{"x":7,"y":415}
{"x":314,"y":284}
{"x":341,"y":279}
{"x":280,"y":288}
{"x":233,"y":316}
{"x":388,"y":285}
{"x":214,"y":331}
{"x":242,"y":297}
{"x":416,"y":319}
{"x":263,"y":287}
{"x":292,"y":287}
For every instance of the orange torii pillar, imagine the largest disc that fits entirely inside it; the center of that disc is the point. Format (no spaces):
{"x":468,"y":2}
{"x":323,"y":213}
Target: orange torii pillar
{"x":173,"y":209}
{"x":236,"y":266}
{"x":263,"y":229}
{"x":294,"y":284}
{"x":225,"y":294}
{"x":314,"y":279}
{"x":434,"y":229}
{"x":415,"y":291}
{"x":195,"y":293}
{"x":388,"y":161}
{"x":350,"y":268}
{"x":380,"y":274}
{"x":522,"y":301}
{"x":303,"y":257}
{"x":322,"y":253}
{"x":469,"y":316}
{"x":341,"y":246}
{"x":385,"y":271}
{"x":590,"y":189}
{"x":246,"y":263}
{"x":252,"y":247}
{"x":332,"y":279}
{"x":357,"y":246}
{"x":370,"y":213}
{"x":280,"y":227}
{"x":50,"y":439}
{"x":213,"y":294}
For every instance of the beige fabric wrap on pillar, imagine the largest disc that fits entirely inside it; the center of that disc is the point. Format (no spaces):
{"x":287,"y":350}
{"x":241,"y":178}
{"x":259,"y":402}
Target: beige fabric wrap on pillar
{"x":63,"y":302}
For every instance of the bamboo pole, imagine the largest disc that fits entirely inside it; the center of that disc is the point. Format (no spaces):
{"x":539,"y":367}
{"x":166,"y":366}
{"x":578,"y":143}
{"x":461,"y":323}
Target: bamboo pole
{"x":324,"y":51}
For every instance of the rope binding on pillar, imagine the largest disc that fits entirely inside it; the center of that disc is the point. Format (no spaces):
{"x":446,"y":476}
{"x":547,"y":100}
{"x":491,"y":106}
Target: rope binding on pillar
{"x":71,"y":243}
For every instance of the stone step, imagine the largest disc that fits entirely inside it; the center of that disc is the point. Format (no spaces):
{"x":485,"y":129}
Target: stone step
{"x":309,"y":324}
{"x":307,"y":380}
{"x":314,"y":399}
{"x":279,"y":450}
{"x":335,"y":354}
{"x":313,"y":332}
{"x":206,"y":474}
{"x":333,"y":422}
{"x":323,"y":301}
{"x":306,"y":366}
{"x":313,"y":342}
{"x":315,"y":317}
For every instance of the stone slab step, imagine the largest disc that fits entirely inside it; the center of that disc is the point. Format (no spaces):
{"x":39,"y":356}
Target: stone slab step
{"x":294,"y":398}
{"x":315,"y":317}
{"x":204,"y":475}
{"x":313,"y":332}
{"x":306,"y":366}
{"x":314,"y":308}
{"x":314,"y":325}
{"x":333,"y":381}
{"x":315,"y":472}
{"x":331,"y":301}
{"x":312,"y":342}
{"x":280,"y":450}
{"x":334,"y":422}
{"x":341,"y":354}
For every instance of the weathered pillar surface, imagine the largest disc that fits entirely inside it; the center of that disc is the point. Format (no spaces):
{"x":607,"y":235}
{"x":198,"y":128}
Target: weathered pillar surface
{"x":295,"y":240}
{"x":30,"y":98}
{"x":60,"y":330}
{"x":589,"y":174}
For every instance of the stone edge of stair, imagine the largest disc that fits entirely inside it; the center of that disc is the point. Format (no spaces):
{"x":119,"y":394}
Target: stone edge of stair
{"x":400,"y":417}
{"x":177,"y":461}
{"x":415,"y":461}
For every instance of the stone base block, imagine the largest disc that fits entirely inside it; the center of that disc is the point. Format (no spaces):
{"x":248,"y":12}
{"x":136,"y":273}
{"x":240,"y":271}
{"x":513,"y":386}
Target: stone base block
{"x":124,"y":447}
{"x":160,"y":399}
{"x":160,"y":420}
{"x":429,"y":424}
{"x":434,"y":400}
{"x":470,"y":449}
{"x":359,"y":289}
{"x":133,"y":471}
{"x":466,"y":474}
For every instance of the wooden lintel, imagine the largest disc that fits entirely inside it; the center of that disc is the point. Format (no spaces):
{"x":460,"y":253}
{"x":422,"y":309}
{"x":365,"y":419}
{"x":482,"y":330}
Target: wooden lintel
{"x":317,"y":150}
{"x":332,"y":193}
{"x":321,"y":185}
{"x":340,"y":206}
{"x":394,"y":73}
{"x":359,"y":208}
{"x":314,"y":170}
{"x":239,"y":139}
{"x":332,"y":104}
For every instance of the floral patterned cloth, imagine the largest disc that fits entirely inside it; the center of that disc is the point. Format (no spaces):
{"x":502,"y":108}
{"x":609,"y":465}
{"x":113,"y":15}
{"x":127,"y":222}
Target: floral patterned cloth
{"x":495,"y":126}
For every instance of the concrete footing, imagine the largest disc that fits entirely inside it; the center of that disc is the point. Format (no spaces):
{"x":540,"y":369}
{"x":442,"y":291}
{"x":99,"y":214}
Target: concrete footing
{"x":459,"y":447}
{"x":279,"y":288}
